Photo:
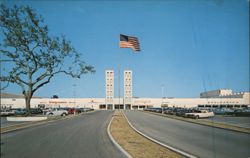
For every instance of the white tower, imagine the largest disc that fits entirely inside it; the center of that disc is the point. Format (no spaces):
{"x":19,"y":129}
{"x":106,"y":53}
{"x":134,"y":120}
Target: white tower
{"x":128,"y":89}
{"x":109,"y":84}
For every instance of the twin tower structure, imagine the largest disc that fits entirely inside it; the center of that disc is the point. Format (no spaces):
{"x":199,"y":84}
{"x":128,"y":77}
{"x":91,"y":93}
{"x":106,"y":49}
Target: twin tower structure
{"x":118,"y":103}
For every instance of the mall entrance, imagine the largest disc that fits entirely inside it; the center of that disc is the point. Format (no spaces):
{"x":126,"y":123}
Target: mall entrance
{"x":119,"y":106}
{"x":127,"y":106}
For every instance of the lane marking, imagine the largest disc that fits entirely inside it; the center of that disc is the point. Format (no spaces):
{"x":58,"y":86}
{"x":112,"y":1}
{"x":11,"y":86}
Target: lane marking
{"x":160,"y":143}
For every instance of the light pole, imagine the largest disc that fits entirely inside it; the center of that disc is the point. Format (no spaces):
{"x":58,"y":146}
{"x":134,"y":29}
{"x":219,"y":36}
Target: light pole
{"x":74,"y":94}
{"x":162,"y":95}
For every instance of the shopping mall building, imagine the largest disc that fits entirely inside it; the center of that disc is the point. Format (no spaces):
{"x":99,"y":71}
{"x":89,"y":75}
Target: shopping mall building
{"x":215,"y":98}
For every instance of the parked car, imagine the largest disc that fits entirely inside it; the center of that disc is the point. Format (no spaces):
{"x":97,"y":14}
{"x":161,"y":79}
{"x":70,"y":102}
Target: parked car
{"x":85,"y":109}
{"x":7,"y":112}
{"x":20,"y":111}
{"x":45,"y":110}
{"x":222,"y":111}
{"x":57,"y":112}
{"x":168,"y":110}
{"x":74,"y":111}
{"x":36,"y":111}
{"x":242,"y":112}
{"x":174,"y":111}
{"x":200,"y":114}
{"x":182,"y":112}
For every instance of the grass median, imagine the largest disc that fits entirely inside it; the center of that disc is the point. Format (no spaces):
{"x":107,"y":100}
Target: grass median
{"x":135,"y":144}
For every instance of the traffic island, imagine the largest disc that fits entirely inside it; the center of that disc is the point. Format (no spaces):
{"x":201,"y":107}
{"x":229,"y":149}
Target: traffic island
{"x":26,"y":119}
{"x":134,"y":143}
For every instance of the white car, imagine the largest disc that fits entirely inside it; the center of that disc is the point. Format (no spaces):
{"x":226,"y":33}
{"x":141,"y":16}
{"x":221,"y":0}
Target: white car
{"x":7,"y":112}
{"x":57,"y":112}
{"x":200,"y":114}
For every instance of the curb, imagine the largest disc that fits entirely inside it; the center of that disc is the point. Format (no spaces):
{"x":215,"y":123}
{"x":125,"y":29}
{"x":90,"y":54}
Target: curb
{"x":160,"y":143}
{"x":26,"y":119}
{"x":115,"y":143}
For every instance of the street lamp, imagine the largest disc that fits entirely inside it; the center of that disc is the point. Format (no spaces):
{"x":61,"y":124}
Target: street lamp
{"x":74,"y":94}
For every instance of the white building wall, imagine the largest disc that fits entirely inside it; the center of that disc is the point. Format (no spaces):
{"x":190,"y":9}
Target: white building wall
{"x":128,"y":87}
{"x":136,"y":102}
{"x":216,"y":93}
{"x":109,"y":87}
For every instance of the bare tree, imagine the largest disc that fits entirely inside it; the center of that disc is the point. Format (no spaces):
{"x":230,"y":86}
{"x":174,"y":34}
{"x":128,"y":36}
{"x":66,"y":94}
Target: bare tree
{"x":29,"y":56}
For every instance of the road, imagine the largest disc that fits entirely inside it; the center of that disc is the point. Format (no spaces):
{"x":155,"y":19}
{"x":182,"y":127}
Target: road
{"x":83,"y":136}
{"x":199,"y":140}
{"x":5,"y":123}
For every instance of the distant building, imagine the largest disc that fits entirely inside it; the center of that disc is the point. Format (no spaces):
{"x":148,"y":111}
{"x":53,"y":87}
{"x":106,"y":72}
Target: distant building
{"x":223,"y":93}
{"x":216,"y":93}
{"x":128,"y":89}
{"x":109,"y":89}
{"x":136,"y":103}
{"x":209,"y":99}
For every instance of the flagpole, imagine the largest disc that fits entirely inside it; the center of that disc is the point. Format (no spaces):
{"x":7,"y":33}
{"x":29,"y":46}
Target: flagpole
{"x":126,"y":42}
{"x":119,"y":78}
{"x":119,"y":89}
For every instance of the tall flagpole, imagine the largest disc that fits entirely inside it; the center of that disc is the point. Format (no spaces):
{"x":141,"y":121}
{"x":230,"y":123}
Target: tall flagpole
{"x":127,"y":42}
{"x":119,"y":77}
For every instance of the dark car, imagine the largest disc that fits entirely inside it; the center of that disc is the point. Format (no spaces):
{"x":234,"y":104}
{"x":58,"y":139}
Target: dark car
{"x":168,"y":110}
{"x":241,"y":112}
{"x":36,"y":111}
{"x":182,"y":112}
{"x":74,"y":111}
{"x":20,"y":111}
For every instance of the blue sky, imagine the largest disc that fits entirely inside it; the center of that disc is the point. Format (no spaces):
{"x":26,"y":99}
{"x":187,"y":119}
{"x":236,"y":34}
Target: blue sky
{"x":187,"y":46}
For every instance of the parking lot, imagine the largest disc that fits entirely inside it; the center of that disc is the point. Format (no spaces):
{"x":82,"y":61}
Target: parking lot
{"x":234,"y":117}
{"x":50,"y":113}
{"x":231,"y":120}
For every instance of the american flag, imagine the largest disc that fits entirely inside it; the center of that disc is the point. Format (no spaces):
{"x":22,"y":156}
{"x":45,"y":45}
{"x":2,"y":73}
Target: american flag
{"x":129,"y":42}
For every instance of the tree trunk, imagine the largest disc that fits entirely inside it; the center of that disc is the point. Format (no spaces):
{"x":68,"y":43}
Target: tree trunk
{"x":27,"y":102}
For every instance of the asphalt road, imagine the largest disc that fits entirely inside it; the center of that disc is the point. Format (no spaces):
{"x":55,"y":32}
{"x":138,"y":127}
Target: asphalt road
{"x":79,"y":137}
{"x":199,"y":140}
{"x":5,"y":123}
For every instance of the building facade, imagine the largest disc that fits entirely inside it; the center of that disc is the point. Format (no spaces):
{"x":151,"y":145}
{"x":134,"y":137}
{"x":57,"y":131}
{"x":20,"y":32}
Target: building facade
{"x":241,"y":101}
{"x":209,"y":99}
{"x":216,"y":93}
{"x":128,"y":89}
{"x":109,"y":90}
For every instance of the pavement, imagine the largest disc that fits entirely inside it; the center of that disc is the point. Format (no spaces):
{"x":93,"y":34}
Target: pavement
{"x":83,"y":136}
{"x":198,"y":140}
{"x":5,"y":123}
{"x":231,"y":120}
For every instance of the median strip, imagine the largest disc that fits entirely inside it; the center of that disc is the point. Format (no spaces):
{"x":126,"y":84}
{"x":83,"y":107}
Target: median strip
{"x":205,"y":123}
{"x":135,"y":144}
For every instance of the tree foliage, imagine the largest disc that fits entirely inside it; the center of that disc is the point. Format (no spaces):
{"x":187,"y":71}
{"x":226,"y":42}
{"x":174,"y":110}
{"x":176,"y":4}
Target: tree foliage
{"x":32,"y":56}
